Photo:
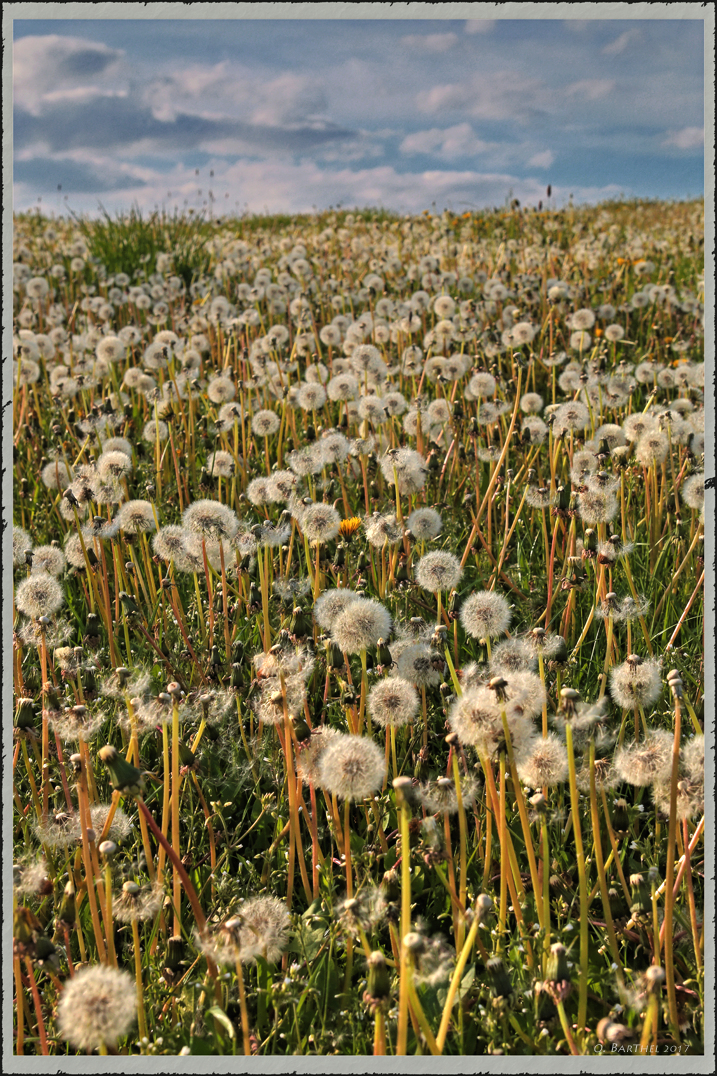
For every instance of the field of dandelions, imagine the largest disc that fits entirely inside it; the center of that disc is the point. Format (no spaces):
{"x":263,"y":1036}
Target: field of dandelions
{"x":357,"y":633}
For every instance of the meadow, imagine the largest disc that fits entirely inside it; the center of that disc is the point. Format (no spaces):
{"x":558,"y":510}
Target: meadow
{"x":358,"y":633}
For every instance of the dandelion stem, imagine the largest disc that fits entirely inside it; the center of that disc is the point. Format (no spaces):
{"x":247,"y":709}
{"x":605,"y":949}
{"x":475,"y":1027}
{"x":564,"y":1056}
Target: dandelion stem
{"x":582,"y":879}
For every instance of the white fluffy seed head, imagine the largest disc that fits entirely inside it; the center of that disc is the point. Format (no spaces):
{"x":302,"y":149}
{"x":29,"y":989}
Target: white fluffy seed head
{"x":439,"y":571}
{"x":97,"y":1007}
{"x":352,"y":767}
{"x":393,"y":702}
{"x":485,"y":615}
{"x":360,"y":625}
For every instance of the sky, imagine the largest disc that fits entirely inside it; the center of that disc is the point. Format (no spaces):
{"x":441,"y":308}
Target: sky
{"x":294,"y":115}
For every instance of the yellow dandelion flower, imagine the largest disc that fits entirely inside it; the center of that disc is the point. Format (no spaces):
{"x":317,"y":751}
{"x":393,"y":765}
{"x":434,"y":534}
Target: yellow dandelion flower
{"x":348,"y":527}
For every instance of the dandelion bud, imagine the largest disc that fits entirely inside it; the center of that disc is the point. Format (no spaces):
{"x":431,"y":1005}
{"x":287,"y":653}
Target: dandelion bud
{"x":25,"y":923}
{"x":383,"y":653}
{"x":568,"y":699}
{"x":673,"y":674}
{"x":76,"y":763}
{"x":173,"y":959}
{"x":25,"y":714}
{"x":108,"y":849}
{"x":610,"y":1031}
{"x":500,"y":980}
{"x":498,"y":684}
{"x":413,"y":942}
{"x":482,"y":906}
{"x":186,"y":755}
{"x":558,"y":970}
{"x":131,"y":888}
{"x":125,"y":777}
{"x":590,"y":541}
{"x":335,"y":659}
{"x":301,"y":730}
{"x":67,"y":911}
{"x":641,"y":900}
{"x":391,"y":886}
{"x":676,"y":688}
{"x":654,"y":978}
{"x":452,"y":739}
{"x":539,"y":802}
{"x":405,"y":794}
{"x":45,"y":952}
{"x":379,"y":982}
{"x":174,"y":689}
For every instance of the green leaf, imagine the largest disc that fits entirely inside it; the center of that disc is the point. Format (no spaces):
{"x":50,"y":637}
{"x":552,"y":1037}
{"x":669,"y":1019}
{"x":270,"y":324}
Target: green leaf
{"x":223,"y":1019}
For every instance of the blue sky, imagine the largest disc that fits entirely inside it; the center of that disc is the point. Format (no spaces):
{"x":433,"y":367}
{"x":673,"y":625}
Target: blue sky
{"x":292,"y":114}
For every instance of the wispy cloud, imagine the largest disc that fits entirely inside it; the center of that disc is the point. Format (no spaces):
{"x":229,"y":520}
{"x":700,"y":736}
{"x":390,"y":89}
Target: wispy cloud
{"x":450,"y":142}
{"x":687,"y":138}
{"x":544,"y":159}
{"x":479,"y":26}
{"x":430,"y":42}
{"x":499,"y":96}
{"x":48,"y":66}
{"x":614,"y":48}
{"x":592,"y":89}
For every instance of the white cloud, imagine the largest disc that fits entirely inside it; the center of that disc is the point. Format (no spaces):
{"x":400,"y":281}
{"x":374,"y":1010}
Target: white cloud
{"x":284,"y":186}
{"x":542,"y":160}
{"x":502,"y":95}
{"x":225,"y":90}
{"x":450,"y":142}
{"x":51,"y":64}
{"x":590,"y":88}
{"x":290,"y":98}
{"x":687,"y":138}
{"x":479,"y":26}
{"x":620,"y":43}
{"x":430,"y":42}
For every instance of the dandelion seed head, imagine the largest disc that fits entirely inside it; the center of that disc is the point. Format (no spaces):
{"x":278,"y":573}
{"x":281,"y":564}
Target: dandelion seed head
{"x":48,"y":558}
{"x":136,"y":904}
{"x":21,"y":543}
{"x":320,"y":522}
{"x":97,"y":1007}
{"x":221,"y":389}
{"x":425,"y":524}
{"x":352,"y":767}
{"x":485,"y":615}
{"x":136,"y":517}
{"x":652,"y":448}
{"x":648,"y":761}
{"x":393,"y":702}
{"x":636,"y":683}
{"x":512,"y":656}
{"x":330,"y":604}
{"x":210,"y":519}
{"x":360,"y":625}
{"x":383,"y":530}
{"x":597,"y":506}
{"x":39,"y":595}
{"x":439,"y":571}
{"x":221,"y":464}
{"x":693,"y":491}
{"x":265,"y":423}
{"x":310,"y":752}
{"x":544,"y":763}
